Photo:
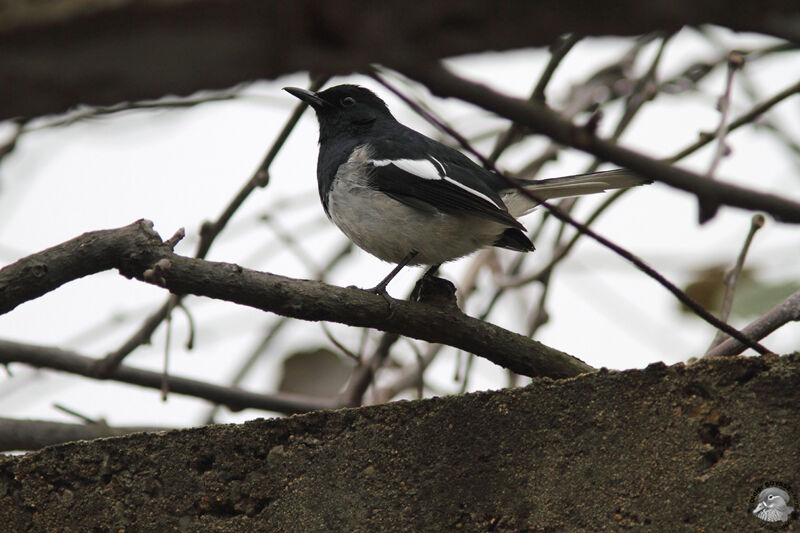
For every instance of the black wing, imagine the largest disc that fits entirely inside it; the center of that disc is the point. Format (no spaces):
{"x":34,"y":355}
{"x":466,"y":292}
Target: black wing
{"x":430,"y":183}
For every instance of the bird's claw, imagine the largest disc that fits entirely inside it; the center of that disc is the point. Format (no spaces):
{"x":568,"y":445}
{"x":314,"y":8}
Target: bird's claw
{"x":380,"y":290}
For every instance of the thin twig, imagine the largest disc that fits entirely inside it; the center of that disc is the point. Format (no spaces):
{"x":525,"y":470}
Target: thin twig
{"x":291,"y":243}
{"x":440,"y":80}
{"x":561,"y":252}
{"x":470,"y":358}
{"x":786,"y":311}
{"x":644,"y":90}
{"x":272,"y":332}
{"x":250,"y":361}
{"x":604,"y":83}
{"x":540,"y":316}
{"x":208,"y":232}
{"x":559,"y":51}
{"x":742,"y":120}
{"x":342,"y":348}
{"x":190,"y":324}
{"x":165,"y":369}
{"x":735,"y":62}
{"x":86,"y":113}
{"x":707,"y":207}
{"x":732,"y":277}
{"x":364,"y":374}
{"x":76,"y":414}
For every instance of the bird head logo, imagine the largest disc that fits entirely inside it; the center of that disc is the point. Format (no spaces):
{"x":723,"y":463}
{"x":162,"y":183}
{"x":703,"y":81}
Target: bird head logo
{"x":773,"y":505}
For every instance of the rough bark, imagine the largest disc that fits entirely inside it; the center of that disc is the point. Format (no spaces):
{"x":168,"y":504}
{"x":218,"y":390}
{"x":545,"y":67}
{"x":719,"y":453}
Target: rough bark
{"x":138,"y":252}
{"x":664,"y":448}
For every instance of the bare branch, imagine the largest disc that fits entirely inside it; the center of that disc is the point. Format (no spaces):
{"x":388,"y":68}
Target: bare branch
{"x":86,"y":112}
{"x":72,"y":412}
{"x":561,"y":252}
{"x":80,"y":45}
{"x":732,"y":276}
{"x":135,"y":248}
{"x":559,"y":51}
{"x":645,"y":90}
{"x":18,"y":435}
{"x":234,"y":399}
{"x":341,"y":347}
{"x":735,"y":61}
{"x":784,"y":312}
{"x":364,"y":374}
{"x":746,"y":118}
{"x":208,"y":232}
{"x":410,"y":376}
{"x":444,"y":83}
{"x":273,"y":330}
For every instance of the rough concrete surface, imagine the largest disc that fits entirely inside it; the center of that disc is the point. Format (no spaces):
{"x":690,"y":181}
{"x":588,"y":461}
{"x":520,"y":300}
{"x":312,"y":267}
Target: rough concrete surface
{"x":682,"y":448}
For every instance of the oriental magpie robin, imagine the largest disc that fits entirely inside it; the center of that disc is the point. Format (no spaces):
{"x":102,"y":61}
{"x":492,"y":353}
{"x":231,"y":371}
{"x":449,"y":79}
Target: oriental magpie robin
{"x":410,"y":200}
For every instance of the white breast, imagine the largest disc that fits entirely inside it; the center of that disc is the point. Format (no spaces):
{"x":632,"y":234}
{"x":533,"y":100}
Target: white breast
{"x":389,"y":229}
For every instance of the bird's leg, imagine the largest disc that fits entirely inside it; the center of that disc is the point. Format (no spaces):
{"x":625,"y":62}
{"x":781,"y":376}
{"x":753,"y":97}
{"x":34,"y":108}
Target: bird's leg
{"x":380,"y":288}
{"x":432,"y":289}
{"x":432,"y":271}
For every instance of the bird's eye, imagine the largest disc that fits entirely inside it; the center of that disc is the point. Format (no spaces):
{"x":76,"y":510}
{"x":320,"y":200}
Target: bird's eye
{"x":347,"y":101}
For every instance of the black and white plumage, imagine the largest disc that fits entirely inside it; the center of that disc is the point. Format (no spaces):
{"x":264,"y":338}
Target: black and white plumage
{"x":410,"y":200}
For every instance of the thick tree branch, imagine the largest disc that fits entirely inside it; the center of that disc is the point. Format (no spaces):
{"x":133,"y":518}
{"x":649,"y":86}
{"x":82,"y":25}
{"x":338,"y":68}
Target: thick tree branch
{"x":138,"y":252}
{"x":40,"y":273}
{"x":61,"y":53}
{"x":233,"y":398}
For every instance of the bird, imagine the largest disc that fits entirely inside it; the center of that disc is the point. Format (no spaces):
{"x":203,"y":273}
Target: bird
{"x":772,"y":505}
{"x":410,"y":200}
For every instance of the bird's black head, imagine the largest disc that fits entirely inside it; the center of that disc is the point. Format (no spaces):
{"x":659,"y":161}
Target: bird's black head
{"x":344,"y":109}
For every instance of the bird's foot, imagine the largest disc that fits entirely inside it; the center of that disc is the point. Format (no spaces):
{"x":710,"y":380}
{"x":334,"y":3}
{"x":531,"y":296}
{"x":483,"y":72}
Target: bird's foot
{"x":380,"y":290}
{"x":434,"y":290}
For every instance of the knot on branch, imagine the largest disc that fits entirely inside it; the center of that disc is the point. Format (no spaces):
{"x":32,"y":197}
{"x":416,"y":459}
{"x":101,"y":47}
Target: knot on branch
{"x":139,"y":244}
{"x":155,"y":275}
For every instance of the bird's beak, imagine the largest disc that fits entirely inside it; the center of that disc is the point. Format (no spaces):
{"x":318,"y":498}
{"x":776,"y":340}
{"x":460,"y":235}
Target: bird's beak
{"x":308,"y":97}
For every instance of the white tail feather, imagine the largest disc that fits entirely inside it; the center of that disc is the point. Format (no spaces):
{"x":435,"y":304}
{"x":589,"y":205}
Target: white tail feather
{"x":518,"y":204}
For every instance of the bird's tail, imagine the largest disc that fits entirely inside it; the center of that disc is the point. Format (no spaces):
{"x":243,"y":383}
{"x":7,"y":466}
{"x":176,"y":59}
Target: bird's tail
{"x":518,"y":204}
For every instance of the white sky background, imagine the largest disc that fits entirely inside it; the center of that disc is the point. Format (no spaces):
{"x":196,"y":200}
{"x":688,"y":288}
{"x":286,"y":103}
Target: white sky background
{"x":181,"y":167}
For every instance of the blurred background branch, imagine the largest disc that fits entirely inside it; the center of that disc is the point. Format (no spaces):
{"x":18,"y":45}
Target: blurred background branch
{"x":106,"y":52}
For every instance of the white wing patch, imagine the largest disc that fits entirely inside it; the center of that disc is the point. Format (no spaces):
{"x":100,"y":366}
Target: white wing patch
{"x":422,"y":168}
{"x":432,"y":169}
